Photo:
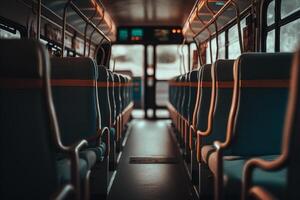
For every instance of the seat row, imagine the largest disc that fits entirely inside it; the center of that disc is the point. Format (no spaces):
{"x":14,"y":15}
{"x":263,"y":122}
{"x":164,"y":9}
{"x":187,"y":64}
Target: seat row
{"x":236,"y":123}
{"x":60,"y":121}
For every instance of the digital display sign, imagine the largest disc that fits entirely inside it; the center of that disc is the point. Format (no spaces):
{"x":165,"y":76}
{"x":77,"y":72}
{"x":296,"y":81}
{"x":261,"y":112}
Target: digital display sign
{"x":150,"y":35}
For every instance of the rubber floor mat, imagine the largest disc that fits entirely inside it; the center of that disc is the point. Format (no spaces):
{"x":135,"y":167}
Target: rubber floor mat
{"x":153,"y":160}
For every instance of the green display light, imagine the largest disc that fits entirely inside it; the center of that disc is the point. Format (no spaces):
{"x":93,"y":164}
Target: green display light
{"x":137,"y":32}
{"x":123,"y":34}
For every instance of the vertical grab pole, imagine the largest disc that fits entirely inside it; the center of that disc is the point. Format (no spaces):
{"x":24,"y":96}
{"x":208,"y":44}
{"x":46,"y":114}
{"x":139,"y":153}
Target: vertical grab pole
{"x":85,"y":31}
{"x":197,"y":45}
{"x":202,"y":22}
{"x":63,"y":35}
{"x":92,"y":33}
{"x":182,"y":54}
{"x":238,"y":20}
{"x":216,"y":29}
{"x":38,"y":26}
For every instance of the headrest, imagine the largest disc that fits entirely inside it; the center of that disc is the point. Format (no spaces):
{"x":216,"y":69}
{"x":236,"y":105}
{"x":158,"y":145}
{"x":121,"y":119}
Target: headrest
{"x":194,"y":75}
{"x":224,"y":70}
{"x":103,"y":74}
{"x":73,"y":68}
{"x":264,"y":66}
{"x":23,"y":59}
{"x":206,"y":72}
{"x":116,"y":78}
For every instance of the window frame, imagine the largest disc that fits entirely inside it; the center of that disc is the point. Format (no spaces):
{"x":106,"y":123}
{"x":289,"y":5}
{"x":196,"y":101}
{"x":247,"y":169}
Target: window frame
{"x":279,"y":22}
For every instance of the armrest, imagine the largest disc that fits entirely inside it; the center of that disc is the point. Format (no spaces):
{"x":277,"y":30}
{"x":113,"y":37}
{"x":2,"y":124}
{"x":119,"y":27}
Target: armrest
{"x":73,"y":152}
{"x":260,"y":193}
{"x":192,"y":131}
{"x":64,"y":192}
{"x":262,"y":164}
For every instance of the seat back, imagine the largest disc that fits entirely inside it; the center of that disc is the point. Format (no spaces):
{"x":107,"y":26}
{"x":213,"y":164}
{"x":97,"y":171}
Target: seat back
{"x":122,"y":83}
{"x":204,"y":98}
{"x":292,"y":130}
{"x":192,"y":93}
{"x":179,"y":94}
{"x":117,"y":92}
{"x":75,"y":98}
{"x":223,"y":77}
{"x":27,"y":167}
{"x":103,"y":96}
{"x":112,"y":97}
{"x":185,"y":98}
{"x":261,"y":85}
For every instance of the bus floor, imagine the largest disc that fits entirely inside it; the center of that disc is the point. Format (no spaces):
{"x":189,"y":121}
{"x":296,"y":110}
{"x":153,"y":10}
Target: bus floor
{"x":152,"y":181}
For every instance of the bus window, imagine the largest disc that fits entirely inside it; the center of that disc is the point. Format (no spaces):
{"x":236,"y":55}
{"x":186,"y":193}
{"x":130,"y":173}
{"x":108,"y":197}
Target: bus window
{"x":271,"y":13}
{"x":9,"y":33}
{"x":287,"y":26}
{"x":168,"y":61}
{"x":222,"y":46}
{"x":128,"y":57}
{"x":290,"y":36}
{"x":271,"y":41}
{"x":289,"y":7}
{"x":233,"y":40}
{"x":192,"y":49}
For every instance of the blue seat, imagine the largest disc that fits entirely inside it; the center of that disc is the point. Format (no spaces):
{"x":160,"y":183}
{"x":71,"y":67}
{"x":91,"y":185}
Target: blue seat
{"x":223,"y":77}
{"x":254,"y":129}
{"x":75,"y":98}
{"x":30,"y":138}
{"x":282,"y":179}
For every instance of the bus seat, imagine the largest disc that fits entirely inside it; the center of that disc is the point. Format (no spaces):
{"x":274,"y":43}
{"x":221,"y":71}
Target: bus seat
{"x":75,"y":98}
{"x":289,"y":157}
{"x":205,"y":94}
{"x":223,"y":75}
{"x":28,"y":154}
{"x":261,"y":82}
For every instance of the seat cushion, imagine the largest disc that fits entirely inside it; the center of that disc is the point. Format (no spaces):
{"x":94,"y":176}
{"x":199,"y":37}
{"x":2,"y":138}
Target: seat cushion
{"x":206,"y":151}
{"x":99,"y":151}
{"x":89,"y":156}
{"x":63,"y":167}
{"x":233,"y":172}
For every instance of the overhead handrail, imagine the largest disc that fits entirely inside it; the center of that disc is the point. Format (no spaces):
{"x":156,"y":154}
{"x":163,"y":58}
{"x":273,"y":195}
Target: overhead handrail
{"x":219,"y":13}
{"x":71,"y":4}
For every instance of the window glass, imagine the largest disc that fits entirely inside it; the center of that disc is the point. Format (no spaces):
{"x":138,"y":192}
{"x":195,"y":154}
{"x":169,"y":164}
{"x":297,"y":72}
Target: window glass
{"x":170,"y":61}
{"x":192,"y":49}
{"x":214,"y":49}
{"x":208,"y":53}
{"x":12,"y":34}
{"x":222,"y":45}
{"x":290,"y":36}
{"x":128,"y":57}
{"x":233,"y":39}
{"x":271,"y":13}
{"x":288,"y":7}
{"x":162,"y":94}
{"x":271,"y":41}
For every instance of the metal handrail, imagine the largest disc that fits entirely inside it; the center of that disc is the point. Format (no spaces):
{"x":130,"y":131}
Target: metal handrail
{"x":38,"y":26}
{"x":219,"y":13}
{"x":71,"y":4}
{"x":85,"y":31}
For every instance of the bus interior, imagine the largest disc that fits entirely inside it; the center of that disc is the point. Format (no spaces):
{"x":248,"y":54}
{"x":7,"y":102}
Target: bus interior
{"x":150,"y":99}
